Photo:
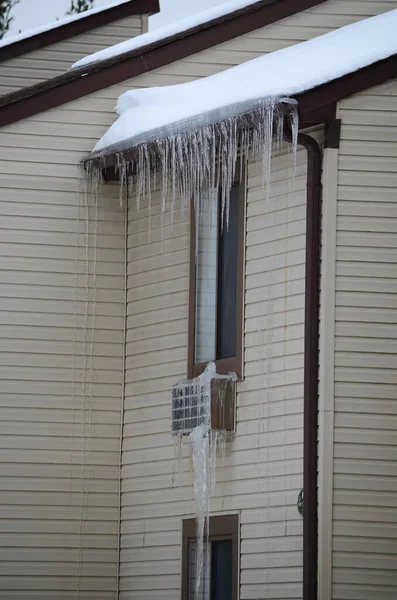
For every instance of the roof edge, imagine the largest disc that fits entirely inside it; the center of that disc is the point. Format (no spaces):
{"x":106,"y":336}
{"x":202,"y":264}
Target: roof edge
{"x":315,"y":106}
{"x":321,"y":100}
{"x":68,"y":30}
{"x":86,"y":80}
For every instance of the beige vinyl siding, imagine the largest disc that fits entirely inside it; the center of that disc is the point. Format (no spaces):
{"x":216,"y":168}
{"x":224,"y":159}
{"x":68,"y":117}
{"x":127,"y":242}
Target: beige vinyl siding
{"x":365,"y":460}
{"x":43,"y":509}
{"x":55,"y":59}
{"x":59,"y":445}
{"x":262,"y":473}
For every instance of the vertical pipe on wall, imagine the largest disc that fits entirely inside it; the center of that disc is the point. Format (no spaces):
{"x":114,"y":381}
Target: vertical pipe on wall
{"x":327,"y":375}
{"x":311,"y":364}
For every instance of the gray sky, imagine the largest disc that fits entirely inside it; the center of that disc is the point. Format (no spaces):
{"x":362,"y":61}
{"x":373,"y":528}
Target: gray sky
{"x":29,"y":14}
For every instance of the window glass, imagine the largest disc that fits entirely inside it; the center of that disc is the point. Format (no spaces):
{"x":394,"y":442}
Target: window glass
{"x":216,"y":282}
{"x":218,"y":571}
{"x":206,"y":283}
{"x":221,"y":570}
{"x":227,"y":282}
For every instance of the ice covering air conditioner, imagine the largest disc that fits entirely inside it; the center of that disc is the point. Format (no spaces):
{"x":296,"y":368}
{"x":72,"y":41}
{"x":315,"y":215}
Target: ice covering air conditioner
{"x":206,"y":400}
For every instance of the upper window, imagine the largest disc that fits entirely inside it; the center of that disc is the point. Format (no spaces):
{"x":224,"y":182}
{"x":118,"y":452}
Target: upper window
{"x":220,"y":568}
{"x":216,"y":284}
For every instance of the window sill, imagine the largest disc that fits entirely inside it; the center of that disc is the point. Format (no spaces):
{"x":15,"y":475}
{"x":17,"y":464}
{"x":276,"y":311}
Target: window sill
{"x":223,"y":367}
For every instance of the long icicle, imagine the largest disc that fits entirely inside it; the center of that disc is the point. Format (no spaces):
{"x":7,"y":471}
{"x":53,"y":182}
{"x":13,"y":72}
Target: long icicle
{"x":201,"y":164}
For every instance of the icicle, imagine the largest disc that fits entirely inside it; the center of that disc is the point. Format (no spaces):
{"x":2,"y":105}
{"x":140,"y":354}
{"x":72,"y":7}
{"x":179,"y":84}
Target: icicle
{"x":199,"y":442}
{"x":294,"y":124}
{"x":121,"y":169}
{"x":199,"y":165}
{"x":178,"y":456}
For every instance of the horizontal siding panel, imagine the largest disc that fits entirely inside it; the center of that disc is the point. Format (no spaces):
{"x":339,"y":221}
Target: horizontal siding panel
{"x":366,"y":498}
{"x":352,"y":592}
{"x":369,"y":117}
{"x":367,"y":179}
{"x":370,"y":133}
{"x":44,"y":457}
{"x":49,"y":584}
{"x":365,"y":405}
{"x":378,"y":149}
{"x":367,"y":163}
{"x":34,"y":595}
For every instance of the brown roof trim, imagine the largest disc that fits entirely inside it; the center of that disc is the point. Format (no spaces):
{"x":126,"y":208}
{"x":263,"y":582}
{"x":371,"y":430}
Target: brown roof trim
{"x":86,"y":80}
{"x":320,"y":100}
{"x":68,"y":30}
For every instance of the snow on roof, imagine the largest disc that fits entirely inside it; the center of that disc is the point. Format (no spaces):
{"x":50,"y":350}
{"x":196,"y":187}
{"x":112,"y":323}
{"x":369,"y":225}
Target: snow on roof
{"x":59,"y":23}
{"x":164,"y":32}
{"x":155,"y":113}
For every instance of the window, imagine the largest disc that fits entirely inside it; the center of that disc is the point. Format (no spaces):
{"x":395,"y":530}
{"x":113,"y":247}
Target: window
{"x":217,"y":285}
{"x":220,"y":572}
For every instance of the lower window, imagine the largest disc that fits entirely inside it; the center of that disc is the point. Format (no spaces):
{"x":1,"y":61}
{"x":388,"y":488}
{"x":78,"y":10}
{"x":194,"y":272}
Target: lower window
{"x":220,"y":570}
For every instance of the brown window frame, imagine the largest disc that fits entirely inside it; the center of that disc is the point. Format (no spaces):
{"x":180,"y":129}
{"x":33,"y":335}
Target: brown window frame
{"x":224,"y":527}
{"x":234,"y":363}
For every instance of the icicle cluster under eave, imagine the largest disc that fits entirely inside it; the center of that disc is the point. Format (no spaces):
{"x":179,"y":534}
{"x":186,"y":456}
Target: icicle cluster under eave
{"x":197,"y":163}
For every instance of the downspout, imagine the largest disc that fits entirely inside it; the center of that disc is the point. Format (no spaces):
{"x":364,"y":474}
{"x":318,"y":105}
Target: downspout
{"x":311,"y":363}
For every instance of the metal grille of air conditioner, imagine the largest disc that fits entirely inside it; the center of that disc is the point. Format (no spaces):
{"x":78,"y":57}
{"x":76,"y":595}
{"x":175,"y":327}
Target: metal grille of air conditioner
{"x":191,"y":406}
{"x":208,"y":402}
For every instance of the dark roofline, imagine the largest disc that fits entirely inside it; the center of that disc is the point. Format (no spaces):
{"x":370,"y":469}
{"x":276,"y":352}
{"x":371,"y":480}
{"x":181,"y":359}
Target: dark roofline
{"x":89,"y":79}
{"x":62,"y":32}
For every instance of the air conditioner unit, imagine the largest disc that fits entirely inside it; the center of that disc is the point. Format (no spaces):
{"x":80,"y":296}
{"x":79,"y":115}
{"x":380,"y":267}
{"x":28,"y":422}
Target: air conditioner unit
{"x":208,"y":400}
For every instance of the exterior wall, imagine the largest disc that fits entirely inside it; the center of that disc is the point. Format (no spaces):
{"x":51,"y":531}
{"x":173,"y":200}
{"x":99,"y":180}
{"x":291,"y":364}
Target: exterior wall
{"x":46,"y":518}
{"x":365,"y":411}
{"x":53,"y":60}
{"x":156,"y":357}
{"x":61,"y":390}
{"x":262,"y":472}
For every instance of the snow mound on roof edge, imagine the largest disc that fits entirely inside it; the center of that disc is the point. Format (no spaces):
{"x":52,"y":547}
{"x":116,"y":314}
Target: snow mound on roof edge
{"x":286,"y":72}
